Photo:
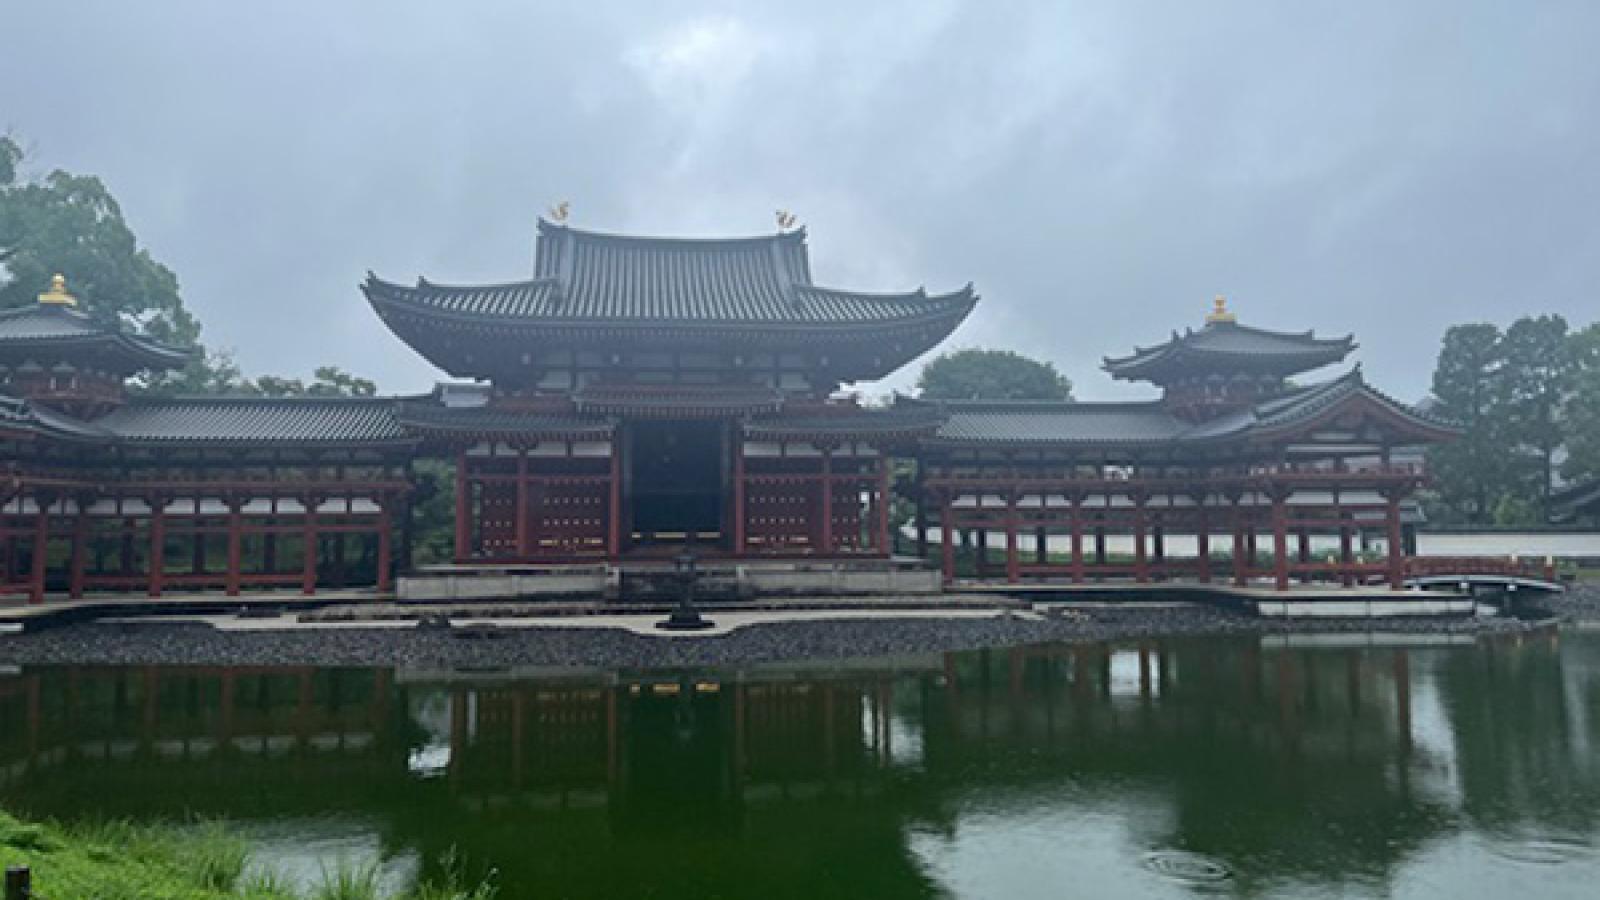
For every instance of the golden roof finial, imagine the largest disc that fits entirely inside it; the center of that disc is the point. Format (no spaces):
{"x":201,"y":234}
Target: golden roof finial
{"x":785,"y":220}
{"x":1219,"y":311}
{"x":559,"y":212}
{"x":57,"y":295}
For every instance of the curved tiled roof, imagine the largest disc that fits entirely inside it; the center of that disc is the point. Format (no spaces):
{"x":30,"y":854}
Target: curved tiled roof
{"x":1151,"y":424}
{"x":1058,"y":422}
{"x":1226,"y":344}
{"x":431,"y":416}
{"x":17,"y":414}
{"x":50,"y":326}
{"x":586,"y":277}
{"x":906,"y":419}
{"x":257,"y":420}
{"x":667,"y":400}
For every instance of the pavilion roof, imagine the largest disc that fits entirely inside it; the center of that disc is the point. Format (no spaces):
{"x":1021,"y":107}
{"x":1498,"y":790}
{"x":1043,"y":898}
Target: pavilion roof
{"x":1058,"y":422}
{"x":59,"y":328}
{"x":602,"y":287}
{"x":904,"y":419}
{"x":257,"y":421}
{"x":1152,"y":424}
{"x":1226,"y":346}
{"x":19,"y":415}
{"x":428,"y":416}
{"x":675,"y":400}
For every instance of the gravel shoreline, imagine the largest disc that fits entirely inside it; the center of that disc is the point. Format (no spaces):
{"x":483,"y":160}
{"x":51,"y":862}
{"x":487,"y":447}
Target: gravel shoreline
{"x":150,"y":643}
{"x":1580,"y":602}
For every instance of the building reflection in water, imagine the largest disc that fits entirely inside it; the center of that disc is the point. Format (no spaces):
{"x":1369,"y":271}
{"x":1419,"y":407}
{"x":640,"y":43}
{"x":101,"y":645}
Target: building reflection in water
{"x":1286,"y":763}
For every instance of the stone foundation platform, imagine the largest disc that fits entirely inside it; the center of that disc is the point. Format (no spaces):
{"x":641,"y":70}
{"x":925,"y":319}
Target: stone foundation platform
{"x":655,"y":580}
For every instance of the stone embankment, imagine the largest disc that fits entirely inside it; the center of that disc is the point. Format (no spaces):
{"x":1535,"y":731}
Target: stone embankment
{"x":1579,"y":603}
{"x":437,"y":645}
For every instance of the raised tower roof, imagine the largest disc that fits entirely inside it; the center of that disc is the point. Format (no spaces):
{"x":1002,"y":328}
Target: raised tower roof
{"x":600,"y":290}
{"x":1224,"y":346}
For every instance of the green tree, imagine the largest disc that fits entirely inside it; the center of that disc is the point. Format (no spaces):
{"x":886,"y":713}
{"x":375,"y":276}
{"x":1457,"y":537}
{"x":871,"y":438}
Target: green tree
{"x":1582,"y":413}
{"x":327,"y":381}
{"x":70,"y":224}
{"x":1471,"y":473}
{"x":991,"y":375}
{"x":1537,"y":379}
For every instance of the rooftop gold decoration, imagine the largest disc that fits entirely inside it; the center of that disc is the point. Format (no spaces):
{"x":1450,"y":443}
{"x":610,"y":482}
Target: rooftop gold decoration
{"x":57,"y":295}
{"x":1219,"y":311}
{"x":559,"y":212}
{"x":786,"y":220}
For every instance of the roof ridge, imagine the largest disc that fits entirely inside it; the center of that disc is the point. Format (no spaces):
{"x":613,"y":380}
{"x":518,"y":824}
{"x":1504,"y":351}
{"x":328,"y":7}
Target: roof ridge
{"x":424,"y":282}
{"x":919,"y":292}
{"x":1308,"y":334}
{"x":219,"y":399}
{"x":548,"y":227}
{"x":1053,"y":405}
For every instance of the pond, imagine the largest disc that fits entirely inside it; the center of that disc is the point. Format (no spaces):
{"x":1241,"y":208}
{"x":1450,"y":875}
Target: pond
{"x":1250,"y":766}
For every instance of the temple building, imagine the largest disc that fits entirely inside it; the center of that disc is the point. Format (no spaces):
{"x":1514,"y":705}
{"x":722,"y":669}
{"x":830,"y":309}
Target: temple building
{"x":644,"y":393}
{"x":1232,"y":452}
{"x":638,"y":396}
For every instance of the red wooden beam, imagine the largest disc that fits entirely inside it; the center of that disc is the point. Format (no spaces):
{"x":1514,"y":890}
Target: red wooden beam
{"x":235,"y":539}
{"x":308,"y":571}
{"x":614,"y":490}
{"x":41,"y":551}
{"x":885,"y":545}
{"x":739,"y":512}
{"x":385,"y":538}
{"x":1280,"y":543}
{"x":158,"y":544}
{"x":463,"y":509}
{"x":80,"y":553}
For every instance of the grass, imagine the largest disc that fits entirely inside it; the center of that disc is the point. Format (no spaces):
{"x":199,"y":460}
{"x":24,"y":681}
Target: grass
{"x":122,"y":860}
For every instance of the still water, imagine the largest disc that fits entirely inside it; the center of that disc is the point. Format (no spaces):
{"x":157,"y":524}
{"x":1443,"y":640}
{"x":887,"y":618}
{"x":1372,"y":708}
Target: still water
{"x":1259,"y":767}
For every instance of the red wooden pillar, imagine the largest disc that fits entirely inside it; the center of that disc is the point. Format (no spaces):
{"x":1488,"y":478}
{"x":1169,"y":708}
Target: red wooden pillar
{"x":1241,"y":570}
{"x":1280,"y":541}
{"x":1344,"y":575}
{"x":825,"y":525}
{"x":80,"y":550}
{"x":885,"y":544}
{"x":1202,"y":537}
{"x":614,"y":522}
{"x":1346,"y":554}
{"x":739,"y":521}
{"x":385,"y":547}
{"x":523,"y":549}
{"x":947,"y":535}
{"x":1397,"y":550}
{"x":308,"y":570}
{"x":463,"y":509}
{"x":41,"y":550}
{"x":1013,"y":574}
{"x":1077,"y":538}
{"x":1141,"y":565}
{"x":235,"y":540}
{"x":158,"y":544}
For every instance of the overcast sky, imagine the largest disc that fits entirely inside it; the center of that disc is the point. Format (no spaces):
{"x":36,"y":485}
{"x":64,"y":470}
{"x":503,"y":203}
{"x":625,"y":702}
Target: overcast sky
{"x":1098,"y":170}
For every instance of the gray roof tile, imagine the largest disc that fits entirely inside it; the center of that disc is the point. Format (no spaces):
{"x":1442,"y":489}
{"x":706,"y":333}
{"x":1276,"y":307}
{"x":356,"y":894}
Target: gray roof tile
{"x":21,"y":415}
{"x":1050,"y":422}
{"x":1221,"y":345}
{"x":431,"y":416}
{"x":49,"y":326}
{"x":585,"y":277}
{"x":252,"y":420}
{"x":1146,"y":424}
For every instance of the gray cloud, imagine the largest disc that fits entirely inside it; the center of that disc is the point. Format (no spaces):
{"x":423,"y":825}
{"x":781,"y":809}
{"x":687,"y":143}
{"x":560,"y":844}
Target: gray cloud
{"x":1099,"y":170}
